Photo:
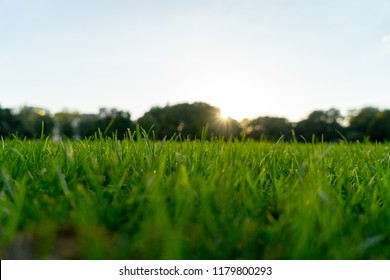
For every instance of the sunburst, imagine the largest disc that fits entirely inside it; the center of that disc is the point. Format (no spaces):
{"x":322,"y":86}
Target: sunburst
{"x":224,"y":115}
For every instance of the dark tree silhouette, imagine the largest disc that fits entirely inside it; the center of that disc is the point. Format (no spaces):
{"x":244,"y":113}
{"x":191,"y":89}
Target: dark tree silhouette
{"x":87,"y":126}
{"x":322,"y":125}
{"x":110,"y":122}
{"x":361,"y":123}
{"x":268,"y":128}
{"x":66,"y":124}
{"x":380,"y":127}
{"x":34,"y":122}
{"x":9,"y":123}
{"x":188,"y":120}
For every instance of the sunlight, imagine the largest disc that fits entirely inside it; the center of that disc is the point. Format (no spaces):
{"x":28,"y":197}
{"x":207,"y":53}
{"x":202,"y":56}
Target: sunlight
{"x":224,"y":115}
{"x":233,"y":111}
{"x":40,"y":112}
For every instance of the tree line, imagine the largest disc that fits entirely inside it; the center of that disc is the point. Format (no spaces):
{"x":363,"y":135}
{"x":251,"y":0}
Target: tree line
{"x":195,"y":121}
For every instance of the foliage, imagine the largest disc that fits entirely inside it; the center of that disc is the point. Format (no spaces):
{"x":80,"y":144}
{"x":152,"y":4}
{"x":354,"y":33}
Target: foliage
{"x":268,"y":128}
{"x":197,"y":120}
{"x":369,"y":123}
{"x":188,"y":120}
{"x":67,"y":124}
{"x":34,"y":122}
{"x":322,"y":125}
{"x":8,"y":123}
{"x":380,"y":129}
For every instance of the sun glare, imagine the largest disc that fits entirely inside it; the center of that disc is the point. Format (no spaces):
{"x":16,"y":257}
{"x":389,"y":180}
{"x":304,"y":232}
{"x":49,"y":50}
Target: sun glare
{"x":224,"y":115}
{"x":231,"y":113}
{"x":232,"y":108}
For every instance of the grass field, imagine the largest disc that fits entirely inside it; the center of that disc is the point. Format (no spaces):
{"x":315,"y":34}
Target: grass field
{"x":109,"y":199}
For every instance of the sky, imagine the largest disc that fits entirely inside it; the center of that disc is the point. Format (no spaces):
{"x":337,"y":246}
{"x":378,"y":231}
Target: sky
{"x":250,"y":58}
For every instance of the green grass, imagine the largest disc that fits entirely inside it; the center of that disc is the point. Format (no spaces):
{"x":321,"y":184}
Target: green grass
{"x":109,"y":199}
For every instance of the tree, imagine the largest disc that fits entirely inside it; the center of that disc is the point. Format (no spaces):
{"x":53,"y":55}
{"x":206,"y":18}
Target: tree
{"x":380,"y":127}
{"x":361,"y":123}
{"x":268,"y":128}
{"x":188,"y":120}
{"x":87,"y":126}
{"x":66,"y":124}
{"x":322,"y":125}
{"x":116,"y":123}
{"x":9,"y":123}
{"x":34,"y":122}
{"x":111,"y":122}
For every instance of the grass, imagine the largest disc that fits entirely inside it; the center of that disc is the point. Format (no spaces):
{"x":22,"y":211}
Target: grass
{"x":110,"y":199}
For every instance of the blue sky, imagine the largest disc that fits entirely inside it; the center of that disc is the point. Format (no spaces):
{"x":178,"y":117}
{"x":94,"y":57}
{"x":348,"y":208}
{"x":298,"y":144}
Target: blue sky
{"x":250,"y":58}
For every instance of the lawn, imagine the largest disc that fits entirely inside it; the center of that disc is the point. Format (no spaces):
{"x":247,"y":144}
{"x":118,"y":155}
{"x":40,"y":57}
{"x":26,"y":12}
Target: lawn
{"x":140,"y":199}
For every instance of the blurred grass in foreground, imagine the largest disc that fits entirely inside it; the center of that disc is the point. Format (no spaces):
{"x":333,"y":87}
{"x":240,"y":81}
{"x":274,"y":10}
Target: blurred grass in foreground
{"x":110,"y":199}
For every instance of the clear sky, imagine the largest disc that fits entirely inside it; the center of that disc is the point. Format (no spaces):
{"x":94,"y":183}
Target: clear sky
{"x":248,"y":57}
